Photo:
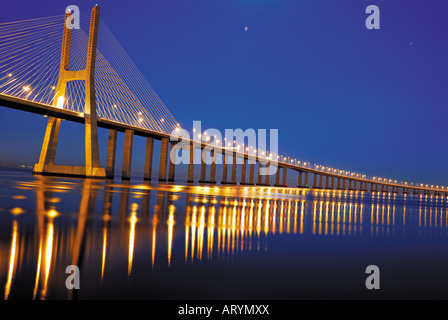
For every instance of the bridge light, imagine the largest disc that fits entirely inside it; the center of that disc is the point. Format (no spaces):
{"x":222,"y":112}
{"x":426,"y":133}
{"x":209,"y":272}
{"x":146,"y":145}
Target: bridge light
{"x":53,"y":87}
{"x":60,"y":104}
{"x":141,"y":120}
{"x":10,"y":75}
{"x":26,"y":88}
{"x":162,"y":120}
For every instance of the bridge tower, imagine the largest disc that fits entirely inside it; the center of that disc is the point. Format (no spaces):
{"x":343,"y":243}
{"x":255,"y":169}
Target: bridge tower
{"x":92,"y":167}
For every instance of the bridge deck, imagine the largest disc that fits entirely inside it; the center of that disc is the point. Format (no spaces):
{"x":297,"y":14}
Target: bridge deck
{"x":37,"y":108}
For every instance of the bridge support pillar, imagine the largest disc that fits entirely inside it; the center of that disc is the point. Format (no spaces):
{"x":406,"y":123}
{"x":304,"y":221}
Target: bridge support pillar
{"x":111,"y":153}
{"x":342,"y":182}
{"x":48,"y":152}
{"x":363,"y":186}
{"x":332,"y":182}
{"x":190,"y":177}
{"x":234,"y":164}
{"x":148,"y":158}
{"x":91,"y":167}
{"x":285,"y":172}
{"x":224,"y":168}
{"x":228,"y":153}
{"x":314,"y":180}
{"x":203,"y":166}
{"x":260,"y":167}
{"x":172,"y":162}
{"x":267,"y":174}
{"x":163,"y":159}
{"x":243,"y":171}
{"x":213,"y":167}
{"x":351,"y":185}
{"x":127,"y":154}
{"x":277,"y":177}
{"x":327,"y":182}
{"x":299,"y":182}
{"x":251,"y":172}
{"x":306,"y":180}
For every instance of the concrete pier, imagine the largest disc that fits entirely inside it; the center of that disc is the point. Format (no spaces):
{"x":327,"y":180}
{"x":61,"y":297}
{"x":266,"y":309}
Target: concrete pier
{"x":111,"y":154}
{"x":251,"y":173}
{"x":91,"y":168}
{"x":148,"y":158}
{"x":224,"y":168}
{"x":213,"y":167}
{"x":342,"y":181}
{"x":277,"y":177}
{"x":284,"y":181}
{"x":127,"y":154}
{"x":172,"y":162}
{"x":163,"y":159}
{"x":267,"y":174}
{"x":260,"y":166}
{"x":203,"y":167}
{"x":190,"y":177}
{"x":234,"y":164}
{"x":243,"y":171}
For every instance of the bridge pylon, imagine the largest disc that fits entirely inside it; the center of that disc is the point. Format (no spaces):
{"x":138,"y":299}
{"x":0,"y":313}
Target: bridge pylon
{"x":92,"y":166}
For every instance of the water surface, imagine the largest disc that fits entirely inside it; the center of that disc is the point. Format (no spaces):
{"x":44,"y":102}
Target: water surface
{"x":178,"y":241}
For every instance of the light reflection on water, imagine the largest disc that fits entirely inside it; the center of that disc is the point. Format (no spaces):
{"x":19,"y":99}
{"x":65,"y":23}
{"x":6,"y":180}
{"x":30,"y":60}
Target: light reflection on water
{"x":126,"y":236}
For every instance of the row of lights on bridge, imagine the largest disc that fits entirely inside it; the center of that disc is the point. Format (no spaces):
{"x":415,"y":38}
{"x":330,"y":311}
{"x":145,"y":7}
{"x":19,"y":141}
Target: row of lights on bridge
{"x":287,"y":160}
{"x":281,"y":158}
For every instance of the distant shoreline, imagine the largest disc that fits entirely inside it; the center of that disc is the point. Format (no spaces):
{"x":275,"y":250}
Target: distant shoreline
{"x":21,"y":168}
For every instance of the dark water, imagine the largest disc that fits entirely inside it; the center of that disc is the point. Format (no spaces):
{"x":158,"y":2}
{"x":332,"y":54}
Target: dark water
{"x":173,"y":241}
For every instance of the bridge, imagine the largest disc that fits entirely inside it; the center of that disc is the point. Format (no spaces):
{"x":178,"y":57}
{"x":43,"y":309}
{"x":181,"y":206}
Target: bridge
{"x":100,"y":87}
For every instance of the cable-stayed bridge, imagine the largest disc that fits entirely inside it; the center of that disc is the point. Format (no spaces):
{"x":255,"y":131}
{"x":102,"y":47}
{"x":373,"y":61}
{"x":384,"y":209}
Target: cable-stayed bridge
{"x":86,"y":77}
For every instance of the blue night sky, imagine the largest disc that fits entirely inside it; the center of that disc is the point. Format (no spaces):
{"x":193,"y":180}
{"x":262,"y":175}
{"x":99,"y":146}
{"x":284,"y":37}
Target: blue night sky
{"x":368,"y":101}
